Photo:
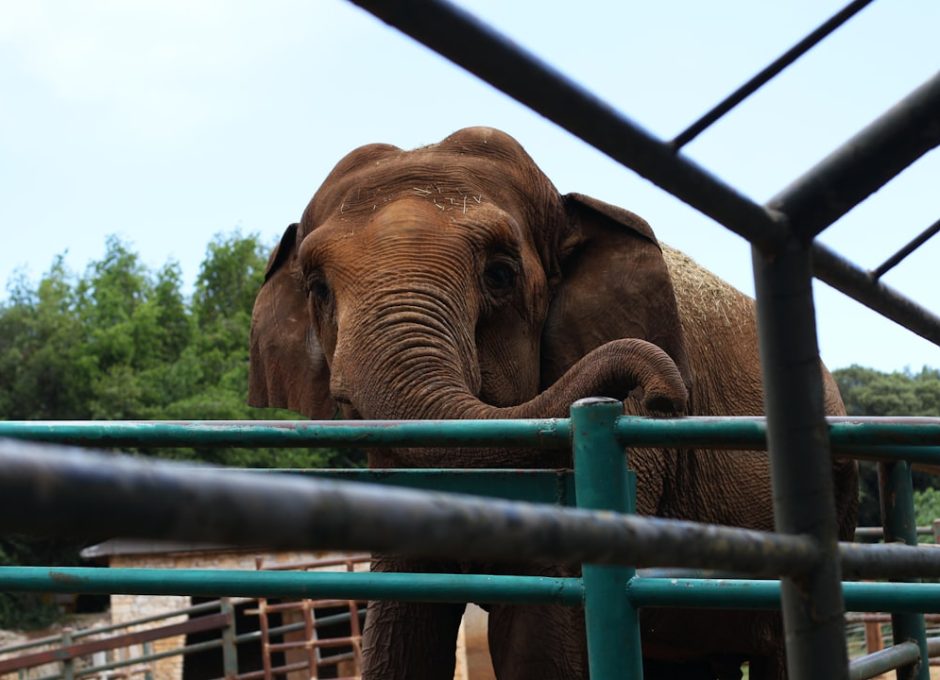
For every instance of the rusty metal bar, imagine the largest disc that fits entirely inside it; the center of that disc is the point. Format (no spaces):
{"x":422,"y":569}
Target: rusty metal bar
{"x":800,"y":464}
{"x":915,"y":243}
{"x":863,"y":164}
{"x":768,"y":73}
{"x":213,"y":622}
{"x":47,"y":490}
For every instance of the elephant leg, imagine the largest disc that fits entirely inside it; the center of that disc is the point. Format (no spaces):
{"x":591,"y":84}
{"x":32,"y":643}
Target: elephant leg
{"x":403,"y":640}
{"x":537,"y":641}
{"x":772,"y":667}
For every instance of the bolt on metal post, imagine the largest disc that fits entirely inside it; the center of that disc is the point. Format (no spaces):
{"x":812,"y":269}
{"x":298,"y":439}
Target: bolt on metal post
{"x":602,"y":483}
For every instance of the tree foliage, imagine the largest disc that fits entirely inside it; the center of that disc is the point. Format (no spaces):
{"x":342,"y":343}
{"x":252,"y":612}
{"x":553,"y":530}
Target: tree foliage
{"x":122,"y":341}
{"x":867,"y":392}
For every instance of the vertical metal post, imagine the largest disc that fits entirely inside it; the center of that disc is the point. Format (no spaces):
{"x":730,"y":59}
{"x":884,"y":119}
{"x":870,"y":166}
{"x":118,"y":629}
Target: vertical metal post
{"x":801,"y":470}
{"x":601,"y":483}
{"x":68,"y":663}
{"x":229,"y":646}
{"x":897,"y":516}
{"x":148,"y":667}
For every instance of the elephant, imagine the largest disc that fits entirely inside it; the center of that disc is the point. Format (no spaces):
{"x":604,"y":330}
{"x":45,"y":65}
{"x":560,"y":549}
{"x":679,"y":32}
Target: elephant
{"x":455,"y":281}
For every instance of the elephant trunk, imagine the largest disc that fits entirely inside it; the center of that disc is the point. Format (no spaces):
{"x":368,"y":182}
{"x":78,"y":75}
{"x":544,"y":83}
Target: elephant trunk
{"x":414,"y":372}
{"x":614,"y":370}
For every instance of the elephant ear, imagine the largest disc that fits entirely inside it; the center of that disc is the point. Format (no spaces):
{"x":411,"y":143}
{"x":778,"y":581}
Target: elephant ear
{"x":613,"y":284}
{"x":286,"y":367}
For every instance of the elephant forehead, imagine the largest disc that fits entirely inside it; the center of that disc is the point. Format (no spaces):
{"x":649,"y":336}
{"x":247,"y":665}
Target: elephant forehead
{"x":418,"y":219}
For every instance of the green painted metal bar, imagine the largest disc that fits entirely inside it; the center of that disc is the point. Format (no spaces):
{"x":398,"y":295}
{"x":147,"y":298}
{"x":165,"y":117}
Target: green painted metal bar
{"x":555,"y":487}
{"x":612,"y":623}
{"x":313,"y":585}
{"x":896,"y":491}
{"x":903,"y":657}
{"x":761,"y":594}
{"x":642,"y":591}
{"x":729,"y":432}
{"x":548,"y":433}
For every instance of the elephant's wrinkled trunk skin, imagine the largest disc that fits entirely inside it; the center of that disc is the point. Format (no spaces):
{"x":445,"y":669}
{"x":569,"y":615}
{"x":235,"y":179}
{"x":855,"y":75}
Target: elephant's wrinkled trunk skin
{"x":414,"y":375}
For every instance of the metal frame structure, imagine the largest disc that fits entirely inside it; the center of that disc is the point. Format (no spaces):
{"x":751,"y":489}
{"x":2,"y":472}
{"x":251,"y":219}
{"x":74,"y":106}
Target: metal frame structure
{"x":804,"y":551}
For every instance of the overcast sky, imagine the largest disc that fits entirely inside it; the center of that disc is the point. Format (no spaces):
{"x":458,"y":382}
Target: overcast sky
{"x":166,"y":122}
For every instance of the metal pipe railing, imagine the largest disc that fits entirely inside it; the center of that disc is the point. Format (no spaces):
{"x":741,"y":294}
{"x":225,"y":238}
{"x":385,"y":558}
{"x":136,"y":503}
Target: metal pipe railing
{"x":76,"y":493}
{"x":641,"y":591}
{"x":48,"y":490}
{"x":900,"y":656}
{"x":896,"y":491}
{"x":736,"y":432}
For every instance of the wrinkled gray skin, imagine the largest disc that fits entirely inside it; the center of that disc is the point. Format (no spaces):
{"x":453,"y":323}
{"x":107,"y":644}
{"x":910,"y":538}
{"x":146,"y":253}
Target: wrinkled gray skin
{"x":454,"y":281}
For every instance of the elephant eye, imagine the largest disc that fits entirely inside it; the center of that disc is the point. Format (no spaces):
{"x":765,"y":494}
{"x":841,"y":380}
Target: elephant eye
{"x":500,"y":275}
{"x":317,"y":287}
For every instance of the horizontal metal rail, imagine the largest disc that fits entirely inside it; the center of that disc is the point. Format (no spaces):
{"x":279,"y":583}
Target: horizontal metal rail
{"x":883,"y":661}
{"x":846,"y":433}
{"x":765,"y":594}
{"x":642,"y":591}
{"x":48,"y":490}
{"x":253,"y":636}
{"x":878,"y":532}
{"x":296,"y":585}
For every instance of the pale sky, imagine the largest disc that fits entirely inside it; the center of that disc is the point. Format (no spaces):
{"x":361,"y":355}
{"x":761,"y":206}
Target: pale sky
{"x":166,"y":122}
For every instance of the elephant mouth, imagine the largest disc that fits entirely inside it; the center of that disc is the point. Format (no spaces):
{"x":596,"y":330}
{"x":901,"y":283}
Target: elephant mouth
{"x":346,"y":409}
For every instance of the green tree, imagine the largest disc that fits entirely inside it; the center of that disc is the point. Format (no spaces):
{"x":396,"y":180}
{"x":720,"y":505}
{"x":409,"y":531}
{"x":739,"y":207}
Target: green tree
{"x":867,"y":392}
{"x":124,"y":342}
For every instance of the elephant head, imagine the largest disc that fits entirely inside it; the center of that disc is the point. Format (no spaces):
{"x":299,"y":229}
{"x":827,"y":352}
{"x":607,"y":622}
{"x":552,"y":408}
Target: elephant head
{"x":454,"y":281}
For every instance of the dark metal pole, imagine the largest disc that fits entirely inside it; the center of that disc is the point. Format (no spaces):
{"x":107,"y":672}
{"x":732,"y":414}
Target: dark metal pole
{"x":462,"y":38}
{"x":467,"y":42}
{"x":863,"y":164}
{"x":915,"y":243}
{"x":897,"y":515}
{"x":769,"y":72}
{"x":601,"y":483}
{"x":901,"y":657}
{"x":801,"y":471}
{"x":858,"y":285}
{"x":48,"y":490}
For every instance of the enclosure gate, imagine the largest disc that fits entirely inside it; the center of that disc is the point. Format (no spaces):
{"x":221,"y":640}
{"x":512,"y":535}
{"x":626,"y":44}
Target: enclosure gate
{"x":804,"y":551}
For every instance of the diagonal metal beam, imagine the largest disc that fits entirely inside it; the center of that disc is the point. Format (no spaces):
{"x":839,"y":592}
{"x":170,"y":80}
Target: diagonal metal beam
{"x":462,"y":38}
{"x":915,"y":243}
{"x":864,"y":163}
{"x":858,"y":284}
{"x":762,"y":78}
{"x":467,"y":42}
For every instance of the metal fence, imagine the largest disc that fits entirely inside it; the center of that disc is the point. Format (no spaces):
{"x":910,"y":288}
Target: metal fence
{"x":68,"y":493}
